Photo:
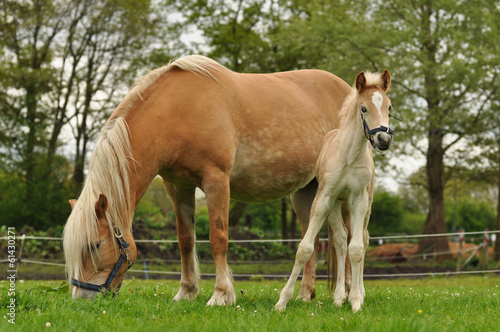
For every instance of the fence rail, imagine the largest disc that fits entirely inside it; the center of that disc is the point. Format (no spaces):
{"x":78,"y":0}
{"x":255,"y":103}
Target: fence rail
{"x":246,"y":275}
{"x":374,"y":238}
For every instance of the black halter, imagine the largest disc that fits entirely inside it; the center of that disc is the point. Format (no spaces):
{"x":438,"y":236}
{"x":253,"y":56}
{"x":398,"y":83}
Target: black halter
{"x":370,"y":132}
{"x":106,"y":287}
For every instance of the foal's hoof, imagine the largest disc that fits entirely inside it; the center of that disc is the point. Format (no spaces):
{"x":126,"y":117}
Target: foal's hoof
{"x":280,"y":306}
{"x":339,"y":297}
{"x":355,"y":305}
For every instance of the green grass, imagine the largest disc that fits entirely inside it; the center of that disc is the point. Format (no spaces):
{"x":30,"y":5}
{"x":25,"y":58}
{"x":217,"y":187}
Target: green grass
{"x":433,"y":304}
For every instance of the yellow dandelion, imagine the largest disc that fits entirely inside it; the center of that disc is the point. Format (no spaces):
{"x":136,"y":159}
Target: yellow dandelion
{"x":419,"y":311}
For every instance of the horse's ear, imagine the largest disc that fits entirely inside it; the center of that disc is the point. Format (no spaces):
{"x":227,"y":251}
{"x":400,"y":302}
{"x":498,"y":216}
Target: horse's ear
{"x":360,"y":81}
{"x":101,"y":206}
{"x":386,"y":79}
{"x":72,"y":202}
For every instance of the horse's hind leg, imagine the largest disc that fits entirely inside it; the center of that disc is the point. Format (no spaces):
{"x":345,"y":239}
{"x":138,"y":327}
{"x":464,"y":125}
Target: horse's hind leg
{"x":302,"y":201}
{"x":183,"y":202}
{"x":215,"y":184}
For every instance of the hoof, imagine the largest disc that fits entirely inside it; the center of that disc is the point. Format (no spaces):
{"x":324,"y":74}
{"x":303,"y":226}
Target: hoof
{"x":355,"y":304}
{"x":222,"y":299}
{"x":280,"y":306}
{"x":306,"y":295}
{"x":186,"y":293}
{"x":339,"y":297}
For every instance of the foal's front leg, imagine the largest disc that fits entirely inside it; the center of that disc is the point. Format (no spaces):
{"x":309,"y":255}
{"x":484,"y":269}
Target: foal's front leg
{"x":358,"y":205}
{"x":339,"y":241}
{"x":320,"y":209}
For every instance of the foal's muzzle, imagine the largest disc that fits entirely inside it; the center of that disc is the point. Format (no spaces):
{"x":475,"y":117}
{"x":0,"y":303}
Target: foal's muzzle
{"x":383,"y":140}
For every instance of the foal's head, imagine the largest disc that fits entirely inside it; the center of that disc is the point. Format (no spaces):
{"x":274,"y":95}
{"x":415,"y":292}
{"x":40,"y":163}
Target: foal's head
{"x":375,"y":107}
{"x":104,"y":256}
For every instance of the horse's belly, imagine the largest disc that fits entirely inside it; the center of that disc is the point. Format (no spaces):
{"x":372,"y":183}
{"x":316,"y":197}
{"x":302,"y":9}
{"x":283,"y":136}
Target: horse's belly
{"x":262,"y":188}
{"x":263,"y":173}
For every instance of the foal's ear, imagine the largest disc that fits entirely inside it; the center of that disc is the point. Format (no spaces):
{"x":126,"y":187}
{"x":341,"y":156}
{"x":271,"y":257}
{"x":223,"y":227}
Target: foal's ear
{"x":101,"y":206}
{"x":72,"y":202}
{"x":386,"y":80}
{"x":360,"y":81}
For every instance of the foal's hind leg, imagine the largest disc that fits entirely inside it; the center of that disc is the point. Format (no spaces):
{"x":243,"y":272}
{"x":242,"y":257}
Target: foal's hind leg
{"x":320,"y":210}
{"x":215,"y":184}
{"x":183,"y":202}
{"x":302,"y":201}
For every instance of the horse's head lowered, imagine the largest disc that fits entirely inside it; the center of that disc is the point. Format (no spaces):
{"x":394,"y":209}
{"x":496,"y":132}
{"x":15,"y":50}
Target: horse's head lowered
{"x":97,"y":238}
{"x":375,"y":107}
{"x":104,"y":261}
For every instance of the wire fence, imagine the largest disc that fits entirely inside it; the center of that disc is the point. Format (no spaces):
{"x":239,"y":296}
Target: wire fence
{"x":379,"y":239}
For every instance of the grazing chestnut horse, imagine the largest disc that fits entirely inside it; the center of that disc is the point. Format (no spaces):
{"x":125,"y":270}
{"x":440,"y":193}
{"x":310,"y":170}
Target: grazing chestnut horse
{"x":252,"y":137}
{"x":345,"y":172}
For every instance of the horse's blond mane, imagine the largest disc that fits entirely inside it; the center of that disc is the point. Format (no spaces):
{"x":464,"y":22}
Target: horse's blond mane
{"x":373,"y":80}
{"x":108,"y":174}
{"x":194,"y":63}
{"x":109,"y":170}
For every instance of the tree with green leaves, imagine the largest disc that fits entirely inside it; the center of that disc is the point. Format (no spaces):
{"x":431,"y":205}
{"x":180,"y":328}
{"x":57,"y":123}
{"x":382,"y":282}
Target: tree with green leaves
{"x":63,"y":64}
{"x":445,"y":77}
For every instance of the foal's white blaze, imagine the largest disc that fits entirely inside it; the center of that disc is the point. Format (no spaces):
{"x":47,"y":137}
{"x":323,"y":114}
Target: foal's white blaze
{"x":377,"y":100}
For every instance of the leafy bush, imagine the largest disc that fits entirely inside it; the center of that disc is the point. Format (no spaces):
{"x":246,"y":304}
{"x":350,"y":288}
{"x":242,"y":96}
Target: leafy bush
{"x":472,"y":215}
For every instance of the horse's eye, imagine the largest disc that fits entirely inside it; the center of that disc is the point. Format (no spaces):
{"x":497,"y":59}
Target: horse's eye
{"x":390,"y":108}
{"x":95,"y":246}
{"x":363,"y":109}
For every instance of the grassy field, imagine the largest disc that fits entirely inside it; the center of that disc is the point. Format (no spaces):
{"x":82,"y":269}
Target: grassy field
{"x":434,"y":304}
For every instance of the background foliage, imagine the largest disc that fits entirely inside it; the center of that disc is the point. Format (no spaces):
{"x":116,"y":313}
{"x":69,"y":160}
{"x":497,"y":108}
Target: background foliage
{"x":65,"y":64}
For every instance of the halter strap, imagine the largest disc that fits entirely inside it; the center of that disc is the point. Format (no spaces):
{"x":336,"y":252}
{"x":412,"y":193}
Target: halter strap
{"x":106,"y":287}
{"x":370,"y":132}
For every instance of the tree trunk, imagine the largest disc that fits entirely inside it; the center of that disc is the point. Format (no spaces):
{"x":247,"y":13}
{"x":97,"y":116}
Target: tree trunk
{"x":29,"y":153}
{"x":497,"y":242}
{"x":436,"y":217}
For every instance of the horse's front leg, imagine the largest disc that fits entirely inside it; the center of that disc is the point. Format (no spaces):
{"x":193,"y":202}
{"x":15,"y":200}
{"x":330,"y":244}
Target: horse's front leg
{"x":339,"y":241}
{"x":215,"y":184}
{"x":183,"y":202}
{"x":320,"y":209}
{"x":358,"y":205}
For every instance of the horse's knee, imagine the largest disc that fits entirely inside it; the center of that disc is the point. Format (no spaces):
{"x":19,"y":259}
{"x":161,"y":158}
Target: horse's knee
{"x":356,"y":252}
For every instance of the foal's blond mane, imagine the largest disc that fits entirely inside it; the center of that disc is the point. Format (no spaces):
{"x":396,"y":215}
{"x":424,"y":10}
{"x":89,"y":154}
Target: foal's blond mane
{"x":109,"y":168}
{"x":373,"y":80}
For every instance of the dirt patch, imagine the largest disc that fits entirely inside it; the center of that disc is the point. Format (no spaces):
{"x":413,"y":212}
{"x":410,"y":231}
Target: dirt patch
{"x":403,"y":252}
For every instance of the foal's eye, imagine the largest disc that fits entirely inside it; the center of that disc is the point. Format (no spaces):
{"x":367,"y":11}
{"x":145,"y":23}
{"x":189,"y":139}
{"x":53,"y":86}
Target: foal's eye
{"x":363,"y":109}
{"x":390,"y":108}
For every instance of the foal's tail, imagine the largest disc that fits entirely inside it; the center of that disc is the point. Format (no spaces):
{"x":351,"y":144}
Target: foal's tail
{"x":332,"y":254}
{"x":331,"y":260}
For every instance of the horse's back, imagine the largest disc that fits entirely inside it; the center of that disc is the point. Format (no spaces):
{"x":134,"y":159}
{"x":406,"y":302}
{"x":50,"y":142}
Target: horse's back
{"x":265,"y":129}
